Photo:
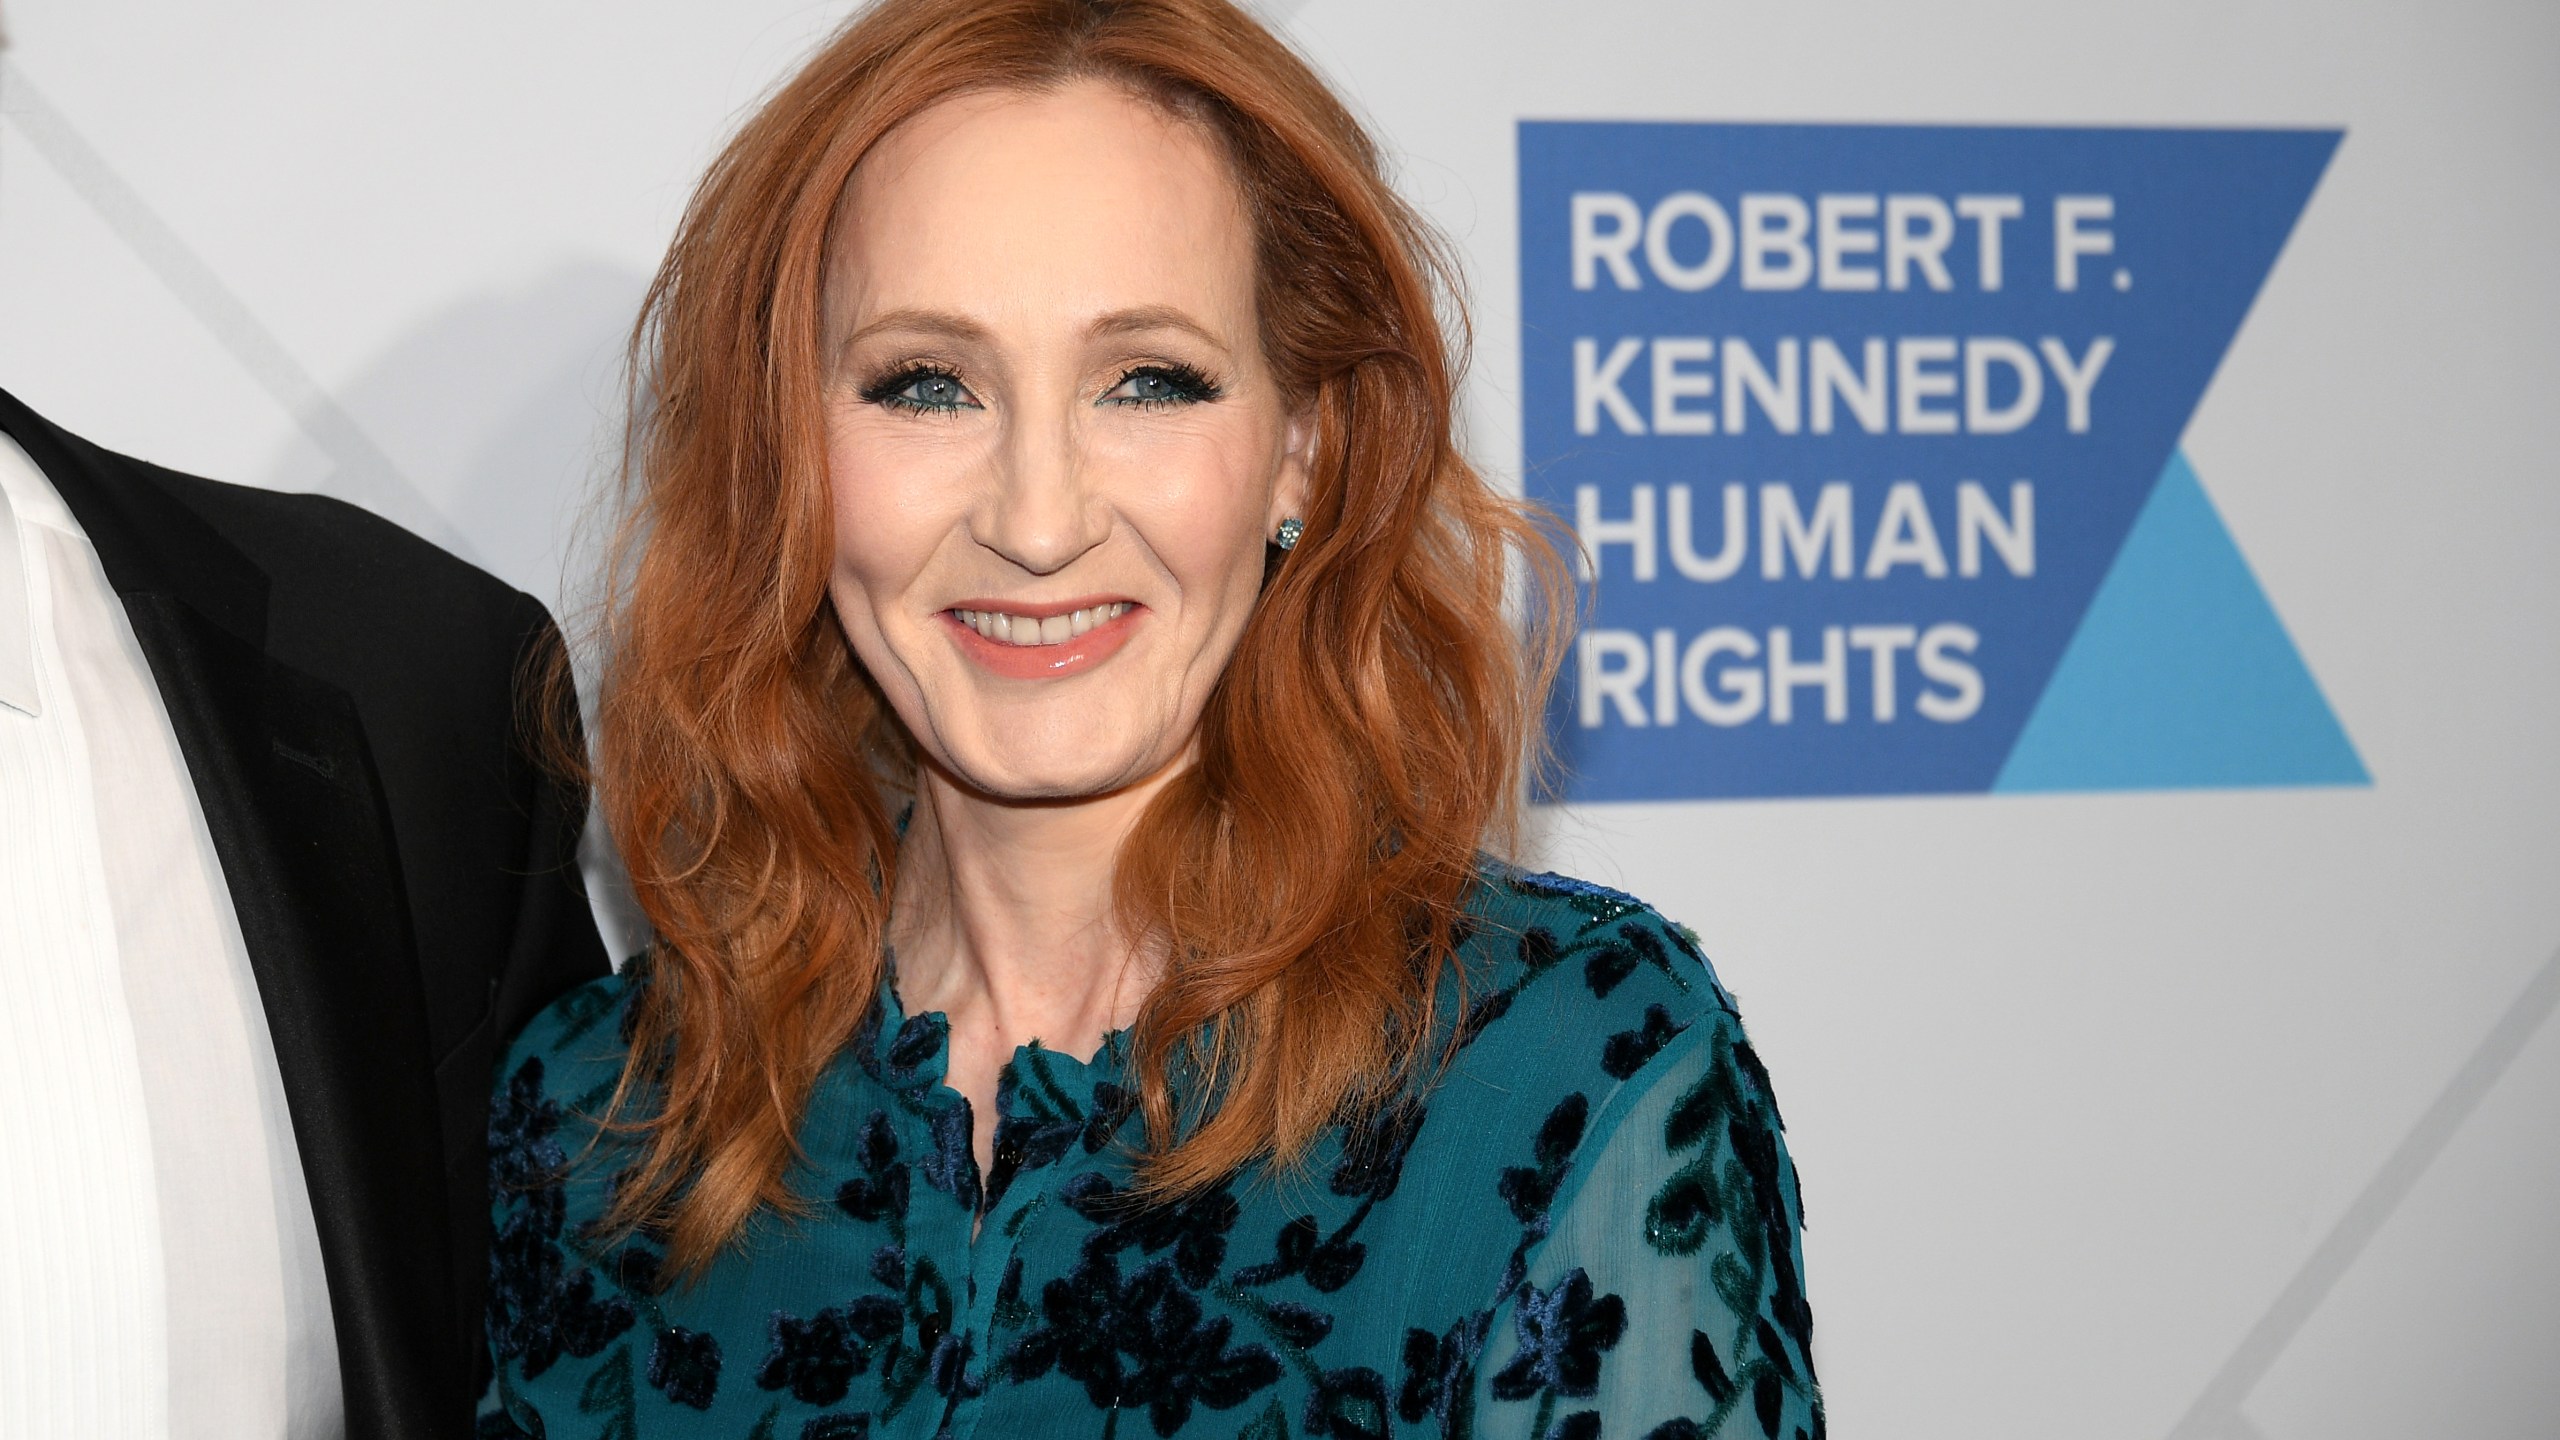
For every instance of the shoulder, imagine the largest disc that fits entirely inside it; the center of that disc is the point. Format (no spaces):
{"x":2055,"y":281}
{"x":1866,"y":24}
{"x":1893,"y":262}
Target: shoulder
{"x":1589,"y":962}
{"x":1584,"y":1003}
{"x":1608,"y":1020}
{"x":330,"y":559}
{"x":329,"y":567}
{"x":571,"y":1053}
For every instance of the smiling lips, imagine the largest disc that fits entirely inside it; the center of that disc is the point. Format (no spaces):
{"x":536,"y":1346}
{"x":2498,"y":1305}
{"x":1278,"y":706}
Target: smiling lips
{"x":1013,"y":629}
{"x":1021,"y":646}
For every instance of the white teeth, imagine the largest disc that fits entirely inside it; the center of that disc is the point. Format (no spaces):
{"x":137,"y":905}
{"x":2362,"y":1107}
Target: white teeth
{"x":1007,"y":629}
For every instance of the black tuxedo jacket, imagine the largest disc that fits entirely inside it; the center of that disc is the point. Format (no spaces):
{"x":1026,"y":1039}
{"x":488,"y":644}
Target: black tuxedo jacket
{"x":352,"y":704}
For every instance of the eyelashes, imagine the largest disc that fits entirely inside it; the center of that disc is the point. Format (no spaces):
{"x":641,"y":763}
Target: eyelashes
{"x":925,"y":388}
{"x":1152,"y":387}
{"x":921,"y":390}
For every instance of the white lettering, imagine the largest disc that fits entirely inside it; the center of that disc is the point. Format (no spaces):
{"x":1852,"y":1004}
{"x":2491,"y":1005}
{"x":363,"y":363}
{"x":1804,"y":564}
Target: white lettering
{"x":1785,"y":532}
{"x":1745,"y":379}
{"x":1666,"y":688}
{"x":1740,"y":698}
{"x":1977,"y":520}
{"x":1916,"y":231}
{"x":1775,"y":226}
{"x":1728,"y":556}
{"x":1988,"y":213}
{"x":1905,"y":536}
{"x":1915,"y":385}
{"x":1863,"y":391}
{"x":1981,"y":417}
{"x":1645,"y":680}
{"x":2072,"y":238}
{"x":1595,"y":682}
{"x":1595,"y":386}
{"x":1634,"y":532}
{"x":1786,"y":676}
{"x":1881,"y":642}
{"x":1963,"y":682}
{"x":1688,"y":205}
{"x":1671,"y":385}
{"x":1835,"y":241}
{"x":1593,"y":247}
{"x":2077,"y":378}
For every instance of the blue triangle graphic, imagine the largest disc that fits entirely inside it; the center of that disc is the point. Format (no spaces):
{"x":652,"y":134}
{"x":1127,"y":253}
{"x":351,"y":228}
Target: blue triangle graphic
{"x":2180,"y":676}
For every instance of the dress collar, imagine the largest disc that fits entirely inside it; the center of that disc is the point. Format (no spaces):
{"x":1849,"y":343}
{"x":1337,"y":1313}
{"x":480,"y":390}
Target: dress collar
{"x":912,"y":1053}
{"x":27,"y":500}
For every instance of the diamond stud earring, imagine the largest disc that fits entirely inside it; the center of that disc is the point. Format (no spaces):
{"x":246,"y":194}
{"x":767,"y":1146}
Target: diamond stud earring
{"x":1290,"y":530}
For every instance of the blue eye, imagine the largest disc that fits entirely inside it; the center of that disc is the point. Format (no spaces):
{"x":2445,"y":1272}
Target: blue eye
{"x":922,"y":389}
{"x":1150,"y":386}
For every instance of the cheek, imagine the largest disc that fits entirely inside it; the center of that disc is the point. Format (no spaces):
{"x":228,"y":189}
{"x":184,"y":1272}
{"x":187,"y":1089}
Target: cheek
{"x":892,"y":506}
{"x":1199,"y":500}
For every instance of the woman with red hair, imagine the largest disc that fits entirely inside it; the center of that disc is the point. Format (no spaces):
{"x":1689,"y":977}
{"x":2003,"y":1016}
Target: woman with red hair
{"x":1059,"y":701}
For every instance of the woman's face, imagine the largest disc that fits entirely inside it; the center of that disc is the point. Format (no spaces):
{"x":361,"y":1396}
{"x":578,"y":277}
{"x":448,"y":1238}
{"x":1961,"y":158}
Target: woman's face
{"x":1054,"y":447}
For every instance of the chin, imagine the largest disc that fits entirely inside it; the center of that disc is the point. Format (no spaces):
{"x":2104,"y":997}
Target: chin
{"x":1046,"y":778}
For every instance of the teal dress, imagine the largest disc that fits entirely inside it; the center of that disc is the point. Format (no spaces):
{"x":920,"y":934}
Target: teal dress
{"x":1585,"y":1229}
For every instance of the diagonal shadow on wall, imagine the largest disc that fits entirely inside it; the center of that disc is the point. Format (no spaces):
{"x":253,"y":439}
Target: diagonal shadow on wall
{"x":518,"y":382}
{"x":2218,"y":1413}
{"x":360,"y":471}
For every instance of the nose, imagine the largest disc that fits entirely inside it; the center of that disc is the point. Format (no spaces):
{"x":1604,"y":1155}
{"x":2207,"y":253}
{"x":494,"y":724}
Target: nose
{"x":1041,"y":514}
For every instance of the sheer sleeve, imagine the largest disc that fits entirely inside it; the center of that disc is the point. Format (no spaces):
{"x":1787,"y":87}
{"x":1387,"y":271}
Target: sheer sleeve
{"x":1666,"y":1300}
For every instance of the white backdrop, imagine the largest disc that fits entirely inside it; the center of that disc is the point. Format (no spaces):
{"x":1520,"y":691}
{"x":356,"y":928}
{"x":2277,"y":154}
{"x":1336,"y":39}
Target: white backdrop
{"x":2194,"y":1113}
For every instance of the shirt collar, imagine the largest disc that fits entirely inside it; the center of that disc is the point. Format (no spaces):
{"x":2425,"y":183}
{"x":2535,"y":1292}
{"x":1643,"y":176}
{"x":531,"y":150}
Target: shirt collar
{"x":27,"y":500}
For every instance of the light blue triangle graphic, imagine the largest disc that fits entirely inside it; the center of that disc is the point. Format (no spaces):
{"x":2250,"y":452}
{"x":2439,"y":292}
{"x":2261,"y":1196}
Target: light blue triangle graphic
{"x":2180,"y":676}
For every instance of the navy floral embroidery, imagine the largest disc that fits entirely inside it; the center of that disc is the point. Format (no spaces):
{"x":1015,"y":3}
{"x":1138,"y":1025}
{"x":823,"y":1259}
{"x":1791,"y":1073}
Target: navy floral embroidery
{"x":950,"y":1168}
{"x":1143,"y":1341}
{"x":918,"y":1045}
{"x":1563,"y":1334}
{"x":1373,"y":1152}
{"x":1439,"y":1369}
{"x":1530,"y":1189}
{"x":1745,"y":1198}
{"x":880,"y":1191}
{"x":540,"y":1305}
{"x":1038,"y":1121}
{"x":817,"y":1358}
{"x":1580,"y":1425}
{"x":1194,"y":1229}
{"x":686,"y":1365}
{"x":1351,"y":1404}
{"x":1628,"y":1050}
{"x":1445,"y":1264}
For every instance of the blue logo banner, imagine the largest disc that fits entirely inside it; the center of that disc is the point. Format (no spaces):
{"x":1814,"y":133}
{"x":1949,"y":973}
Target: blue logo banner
{"x":1865,"y":429}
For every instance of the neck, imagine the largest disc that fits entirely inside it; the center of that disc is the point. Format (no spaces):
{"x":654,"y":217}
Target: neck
{"x":1002,"y":917}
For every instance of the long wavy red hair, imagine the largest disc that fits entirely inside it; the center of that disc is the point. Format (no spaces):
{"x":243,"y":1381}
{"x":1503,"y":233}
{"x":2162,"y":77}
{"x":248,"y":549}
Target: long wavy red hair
{"x":1304,"y":880}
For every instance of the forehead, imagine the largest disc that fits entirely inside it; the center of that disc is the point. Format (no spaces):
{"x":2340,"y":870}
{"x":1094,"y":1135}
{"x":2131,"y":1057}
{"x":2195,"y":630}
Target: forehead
{"x":1023,"y":205}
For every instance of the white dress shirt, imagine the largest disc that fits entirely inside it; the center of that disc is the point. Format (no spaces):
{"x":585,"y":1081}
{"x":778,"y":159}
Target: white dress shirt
{"x":159,"y":1269}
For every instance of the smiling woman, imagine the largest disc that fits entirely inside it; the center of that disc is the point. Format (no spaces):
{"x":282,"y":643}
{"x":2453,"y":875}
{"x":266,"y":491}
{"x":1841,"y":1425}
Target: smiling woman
{"x":1098,"y":429}
{"x":1060,"y":701}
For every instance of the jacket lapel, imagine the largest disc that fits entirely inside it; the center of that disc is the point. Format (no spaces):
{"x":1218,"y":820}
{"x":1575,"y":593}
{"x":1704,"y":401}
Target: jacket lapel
{"x":286,"y":778}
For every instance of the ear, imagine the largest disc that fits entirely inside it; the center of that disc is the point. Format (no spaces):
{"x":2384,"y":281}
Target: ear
{"x":1295,"y":482}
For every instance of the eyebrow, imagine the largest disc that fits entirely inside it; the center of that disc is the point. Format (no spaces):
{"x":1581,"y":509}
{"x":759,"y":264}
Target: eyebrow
{"x":949,"y":325}
{"x":1154,"y":317}
{"x":942,"y":323}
